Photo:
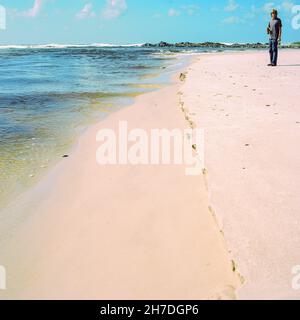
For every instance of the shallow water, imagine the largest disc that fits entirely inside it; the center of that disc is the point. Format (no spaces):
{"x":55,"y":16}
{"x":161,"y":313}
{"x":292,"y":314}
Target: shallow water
{"x":49,"y":95}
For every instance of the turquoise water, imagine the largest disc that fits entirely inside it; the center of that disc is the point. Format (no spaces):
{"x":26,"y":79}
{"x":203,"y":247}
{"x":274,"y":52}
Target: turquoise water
{"x":48,"y":95}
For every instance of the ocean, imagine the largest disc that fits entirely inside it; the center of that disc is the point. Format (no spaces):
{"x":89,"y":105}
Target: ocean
{"x":49,"y":94}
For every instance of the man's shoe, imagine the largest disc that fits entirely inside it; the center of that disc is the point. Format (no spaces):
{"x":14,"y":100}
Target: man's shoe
{"x":274,"y":65}
{"x":270,"y":65}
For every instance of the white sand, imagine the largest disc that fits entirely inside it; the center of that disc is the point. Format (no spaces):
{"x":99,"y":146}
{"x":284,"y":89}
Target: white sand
{"x":118,"y":232}
{"x":250,"y":114}
{"x":144,"y":232}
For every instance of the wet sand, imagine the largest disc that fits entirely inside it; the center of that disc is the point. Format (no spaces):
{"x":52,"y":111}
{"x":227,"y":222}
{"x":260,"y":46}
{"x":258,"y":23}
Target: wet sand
{"x":118,"y":232}
{"x":143,"y":232}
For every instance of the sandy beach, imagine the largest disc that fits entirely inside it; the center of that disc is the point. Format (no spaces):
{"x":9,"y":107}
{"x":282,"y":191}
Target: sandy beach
{"x":250,"y":114}
{"x":87,"y":231}
{"x":119,"y":232}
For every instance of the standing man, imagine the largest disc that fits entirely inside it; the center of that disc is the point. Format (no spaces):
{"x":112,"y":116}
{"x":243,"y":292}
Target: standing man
{"x":274,"y":30}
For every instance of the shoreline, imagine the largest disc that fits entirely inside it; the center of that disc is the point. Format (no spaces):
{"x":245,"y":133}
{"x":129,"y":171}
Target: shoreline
{"x":165,"y":79}
{"x":169,"y":236}
{"x":47,"y":163}
{"x":35,"y":139}
{"x":167,"y":266}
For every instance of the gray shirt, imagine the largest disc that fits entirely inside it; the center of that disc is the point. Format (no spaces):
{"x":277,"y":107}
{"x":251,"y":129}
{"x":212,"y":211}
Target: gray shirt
{"x":274,"y":26}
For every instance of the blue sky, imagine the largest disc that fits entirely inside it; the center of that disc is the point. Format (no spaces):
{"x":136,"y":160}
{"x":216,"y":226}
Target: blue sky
{"x":138,"y":21}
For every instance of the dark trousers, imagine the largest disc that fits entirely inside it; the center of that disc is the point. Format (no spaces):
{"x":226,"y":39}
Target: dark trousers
{"x":273,"y":49}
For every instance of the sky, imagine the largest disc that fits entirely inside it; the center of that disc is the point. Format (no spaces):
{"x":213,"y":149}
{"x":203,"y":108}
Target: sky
{"x":140,"y":21}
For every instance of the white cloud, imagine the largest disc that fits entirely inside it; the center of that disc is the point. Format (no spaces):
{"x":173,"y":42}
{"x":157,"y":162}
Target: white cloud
{"x":86,"y":12}
{"x":173,"y":13}
{"x":253,"y":13}
{"x":34,"y":11}
{"x":231,"y":6}
{"x":191,"y":9}
{"x":269,"y":6}
{"x":233,"y":20}
{"x":114,"y":8}
{"x":285,"y":6}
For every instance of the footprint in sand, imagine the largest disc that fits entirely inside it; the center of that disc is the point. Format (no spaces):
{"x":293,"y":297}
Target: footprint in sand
{"x":228,"y":293}
{"x":182,"y":76}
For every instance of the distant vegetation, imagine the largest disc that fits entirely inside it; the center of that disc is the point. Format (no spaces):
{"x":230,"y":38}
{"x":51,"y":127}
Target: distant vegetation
{"x":205,"y":45}
{"x":217,"y":45}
